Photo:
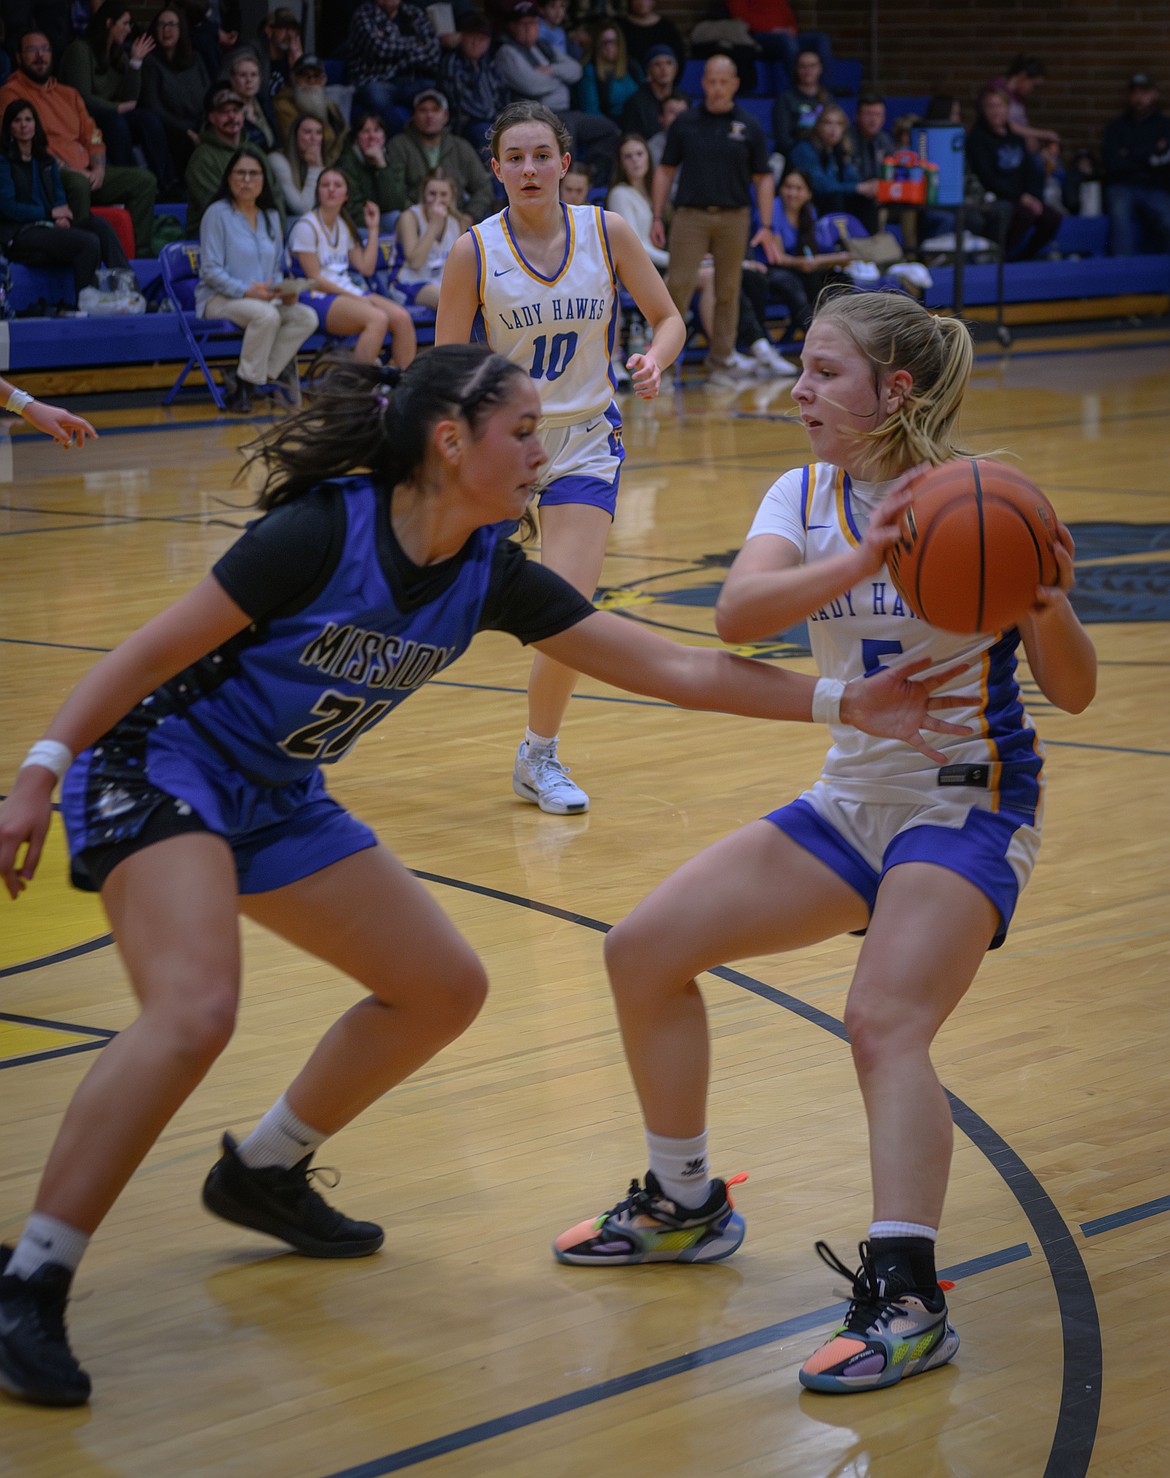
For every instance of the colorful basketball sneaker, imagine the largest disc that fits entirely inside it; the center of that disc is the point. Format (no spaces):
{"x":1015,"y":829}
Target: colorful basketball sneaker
{"x":648,"y":1227}
{"x":890,"y":1331}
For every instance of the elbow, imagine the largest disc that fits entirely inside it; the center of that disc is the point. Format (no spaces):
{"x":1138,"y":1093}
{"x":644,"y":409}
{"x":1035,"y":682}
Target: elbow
{"x":730,"y":625}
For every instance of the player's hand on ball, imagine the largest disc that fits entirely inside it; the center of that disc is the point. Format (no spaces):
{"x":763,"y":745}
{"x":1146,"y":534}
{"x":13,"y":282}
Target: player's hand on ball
{"x":890,"y":705}
{"x":1048,"y":596}
{"x":645,"y":374}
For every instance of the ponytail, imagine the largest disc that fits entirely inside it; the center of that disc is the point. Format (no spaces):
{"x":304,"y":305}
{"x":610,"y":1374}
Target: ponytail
{"x":377,"y":418}
{"x":893,"y":332}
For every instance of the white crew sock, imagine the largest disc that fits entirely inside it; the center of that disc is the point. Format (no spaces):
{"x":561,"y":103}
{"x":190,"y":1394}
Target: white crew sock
{"x":902,"y":1229}
{"x":680,"y":1167}
{"x":538,"y":741}
{"x":280,"y":1138}
{"x":45,"y":1240}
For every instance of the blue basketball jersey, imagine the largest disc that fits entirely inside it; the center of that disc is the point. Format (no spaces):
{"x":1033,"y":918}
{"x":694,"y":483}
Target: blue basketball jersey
{"x":298,"y":691}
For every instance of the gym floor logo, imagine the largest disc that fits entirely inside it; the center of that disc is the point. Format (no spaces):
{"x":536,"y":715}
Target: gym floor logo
{"x":1123,"y":575}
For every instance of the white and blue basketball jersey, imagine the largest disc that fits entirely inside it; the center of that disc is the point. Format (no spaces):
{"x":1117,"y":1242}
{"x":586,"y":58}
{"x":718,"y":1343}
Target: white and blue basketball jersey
{"x":559,"y":328}
{"x":824,"y":513}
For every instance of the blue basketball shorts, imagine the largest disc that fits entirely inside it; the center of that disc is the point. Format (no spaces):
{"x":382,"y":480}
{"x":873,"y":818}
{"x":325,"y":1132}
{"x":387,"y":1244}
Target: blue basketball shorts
{"x":862,"y":840}
{"x":127,"y":793}
{"x":584,"y":462}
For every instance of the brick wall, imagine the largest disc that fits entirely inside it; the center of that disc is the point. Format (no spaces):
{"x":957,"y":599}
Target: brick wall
{"x":954,"y":46}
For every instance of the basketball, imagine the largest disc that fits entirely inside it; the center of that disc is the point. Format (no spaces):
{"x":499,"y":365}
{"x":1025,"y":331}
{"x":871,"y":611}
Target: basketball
{"x":976,"y":541}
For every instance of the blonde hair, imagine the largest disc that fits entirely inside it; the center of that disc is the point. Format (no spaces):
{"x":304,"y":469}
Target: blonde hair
{"x":893,"y":332}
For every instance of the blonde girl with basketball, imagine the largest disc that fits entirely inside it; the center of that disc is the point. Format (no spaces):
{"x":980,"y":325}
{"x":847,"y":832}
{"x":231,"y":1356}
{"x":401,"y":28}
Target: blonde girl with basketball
{"x":926,"y":859}
{"x":540,"y":281}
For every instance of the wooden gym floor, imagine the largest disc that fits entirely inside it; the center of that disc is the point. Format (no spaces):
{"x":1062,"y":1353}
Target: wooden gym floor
{"x":463,"y":1349}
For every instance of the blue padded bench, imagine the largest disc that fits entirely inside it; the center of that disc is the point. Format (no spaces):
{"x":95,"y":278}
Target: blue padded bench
{"x":1033,"y":282}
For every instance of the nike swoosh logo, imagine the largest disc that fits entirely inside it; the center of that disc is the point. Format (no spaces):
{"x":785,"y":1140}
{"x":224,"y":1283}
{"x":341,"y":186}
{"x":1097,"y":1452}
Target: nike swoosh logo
{"x":503,"y":271}
{"x":595,"y":425}
{"x":812,"y":526}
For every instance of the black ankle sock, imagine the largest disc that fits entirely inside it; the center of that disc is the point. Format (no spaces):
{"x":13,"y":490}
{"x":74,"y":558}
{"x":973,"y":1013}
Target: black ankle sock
{"x":909,"y":1258}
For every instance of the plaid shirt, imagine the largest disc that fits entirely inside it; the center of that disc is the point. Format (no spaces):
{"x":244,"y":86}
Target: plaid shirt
{"x":381,"y":48}
{"x":474,"y":90}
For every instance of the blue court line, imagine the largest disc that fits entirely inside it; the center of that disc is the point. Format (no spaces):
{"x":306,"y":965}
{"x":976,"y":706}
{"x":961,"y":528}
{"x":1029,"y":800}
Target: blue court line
{"x":55,"y":959}
{"x":1125,"y":1218}
{"x":634,"y":1380}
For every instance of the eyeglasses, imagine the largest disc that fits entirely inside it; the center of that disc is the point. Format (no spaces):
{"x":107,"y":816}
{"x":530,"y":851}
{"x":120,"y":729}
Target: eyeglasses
{"x":247,"y":174}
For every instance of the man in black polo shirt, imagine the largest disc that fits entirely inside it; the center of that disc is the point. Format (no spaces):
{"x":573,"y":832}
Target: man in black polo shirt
{"x":721,"y":151}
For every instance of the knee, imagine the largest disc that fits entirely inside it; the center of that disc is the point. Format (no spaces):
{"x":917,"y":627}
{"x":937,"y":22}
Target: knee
{"x":199,"y":1021}
{"x":878,"y":1031}
{"x":627,"y":949}
{"x":459,"y":997}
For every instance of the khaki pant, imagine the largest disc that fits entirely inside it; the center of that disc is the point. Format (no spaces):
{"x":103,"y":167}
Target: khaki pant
{"x":723,"y":233}
{"x":273,"y":332}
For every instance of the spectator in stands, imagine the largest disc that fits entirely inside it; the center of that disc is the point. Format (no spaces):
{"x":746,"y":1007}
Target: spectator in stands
{"x":326,"y":244}
{"x":802,"y":268}
{"x":943,"y":107}
{"x":241,"y":240}
{"x":426,"y":144}
{"x":75,"y":141}
{"x":174,"y":83}
{"x":533,"y":69}
{"x":242,"y":70}
{"x":1136,"y":161}
{"x":218,"y":142}
{"x":472,"y":84}
{"x":36,"y":225}
{"x":608,"y":81}
{"x":426,"y":233}
{"x":826,"y":158}
{"x":215,"y":29}
{"x":671,"y":108}
{"x":368,"y":172}
{"x":796,"y":110}
{"x":552,"y":29}
{"x":283,"y":48}
{"x":1024,"y":75}
{"x":576,"y":183}
{"x":105,"y":67}
{"x":775,"y":31}
{"x":1001,"y":162}
{"x":640,"y":113}
{"x":298,"y":169}
{"x":629,"y":195}
{"x":869,"y":142}
{"x":393,"y":51}
{"x":305,"y":94}
{"x":719,"y":152}
{"x":644,"y":28}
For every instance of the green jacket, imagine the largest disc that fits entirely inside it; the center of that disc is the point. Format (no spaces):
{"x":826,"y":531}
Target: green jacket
{"x":408,"y":166}
{"x":368,"y":182}
{"x":108,"y":86}
{"x":204,"y":175}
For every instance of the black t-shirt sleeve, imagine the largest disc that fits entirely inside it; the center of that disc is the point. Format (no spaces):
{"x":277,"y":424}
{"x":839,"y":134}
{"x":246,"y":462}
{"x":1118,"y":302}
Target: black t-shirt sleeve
{"x":284,"y":558}
{"x":527,"y":600}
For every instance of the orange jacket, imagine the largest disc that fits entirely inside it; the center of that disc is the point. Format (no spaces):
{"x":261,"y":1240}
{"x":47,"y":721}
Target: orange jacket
{"x":72,"y":134}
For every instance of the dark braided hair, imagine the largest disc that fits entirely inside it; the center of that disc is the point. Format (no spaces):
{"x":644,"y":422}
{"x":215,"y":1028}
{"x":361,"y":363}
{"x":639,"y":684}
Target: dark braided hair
{"x":368,"y":416}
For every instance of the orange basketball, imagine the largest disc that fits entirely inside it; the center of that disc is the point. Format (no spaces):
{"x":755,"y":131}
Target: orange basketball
{"x":976,"y":541}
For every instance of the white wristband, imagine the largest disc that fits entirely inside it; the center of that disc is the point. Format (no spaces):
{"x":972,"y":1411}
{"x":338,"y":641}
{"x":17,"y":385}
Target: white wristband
{"x":17,"y":401}
{"x":826,"y":701}
{"x":51,"y":755}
